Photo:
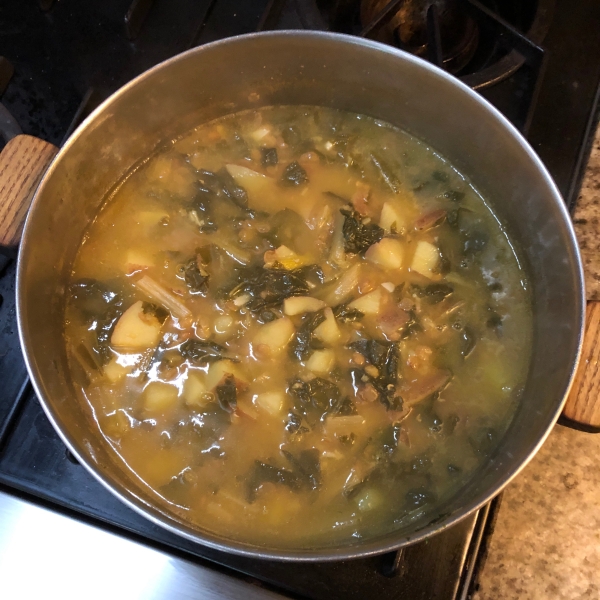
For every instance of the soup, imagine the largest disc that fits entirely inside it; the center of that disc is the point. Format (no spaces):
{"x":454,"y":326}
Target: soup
{"x":298,"y":327}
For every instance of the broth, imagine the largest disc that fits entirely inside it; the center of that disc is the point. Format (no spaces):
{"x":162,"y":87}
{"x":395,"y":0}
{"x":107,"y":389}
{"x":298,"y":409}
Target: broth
{"x":298,"y":327}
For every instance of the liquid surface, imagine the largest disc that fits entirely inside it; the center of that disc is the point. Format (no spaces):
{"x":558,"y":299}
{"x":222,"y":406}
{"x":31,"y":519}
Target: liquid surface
{"x":298,"y":327}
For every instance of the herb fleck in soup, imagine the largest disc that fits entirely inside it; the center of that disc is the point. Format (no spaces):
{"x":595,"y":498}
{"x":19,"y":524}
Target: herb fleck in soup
{"x":298,"y":327}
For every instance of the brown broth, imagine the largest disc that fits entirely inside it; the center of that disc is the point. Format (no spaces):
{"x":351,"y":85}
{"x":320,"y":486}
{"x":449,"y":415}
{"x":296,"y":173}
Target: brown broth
{"x":326,"y":329}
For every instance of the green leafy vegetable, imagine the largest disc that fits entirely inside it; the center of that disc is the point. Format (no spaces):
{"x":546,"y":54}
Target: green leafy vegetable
{"x":303,"y":343}
{"x":227,"y":394}
{"x":268,"y":288}
{"x":358,"y":235}
{"x":294,"y":175}
{"x":202,"y":351}
{"x":196,"y":277}
{"x":385,"y":357}
{"x":268,"y":157}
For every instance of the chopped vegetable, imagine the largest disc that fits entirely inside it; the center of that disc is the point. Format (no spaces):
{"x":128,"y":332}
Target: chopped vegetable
{"x":297,"y":305}
{"x":294,"y":175}
{"x":274,"y":336}
{"x":388,"y":254}
{"x":328,"y":331}
{"x":202,"y":351}
{"x":321,"y":361}
{"x":158,"y":293}
{"x":303,"y":343}
{"x":392,"y":219}
{"x":425,"y":259}
{"x":369,"y":304}
{"x":159,"y":397}
{"x":358,"y":232}
{"x":269,"y":157}
{"x":137,"y":329}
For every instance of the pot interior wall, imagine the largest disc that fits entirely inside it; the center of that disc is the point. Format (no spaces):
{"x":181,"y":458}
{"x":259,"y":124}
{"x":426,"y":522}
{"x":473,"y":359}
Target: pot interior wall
{"x":317,"y":69}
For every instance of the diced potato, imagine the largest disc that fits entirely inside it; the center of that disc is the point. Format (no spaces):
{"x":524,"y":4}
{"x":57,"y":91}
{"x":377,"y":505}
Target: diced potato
{"x":260,"y":133}
{"x":297,"y":305}
{"x":270,"y":402}
{"x":261,"y":189}
{"x":136,"y":329}
{"x":220,"y":369}
{"x":368,"y":499}
{"x":321,"y":361}
{"x":287,"y":258}
{"x":136,"y":259}
{"x":425,"y":259}
{"x":275,"y":335}
{"x":195,"y":391}
{"x":160,"y":397}
{"x":114,"y":372}
{"x":392,"y":218}
{"x":369,"y":304}
{"x":328,"y":331}
{"x":388,"y":253}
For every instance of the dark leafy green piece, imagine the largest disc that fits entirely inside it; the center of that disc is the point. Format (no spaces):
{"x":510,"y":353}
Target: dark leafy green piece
{"x":303,"y":343}
{"x":268,"y":157}
{"x":100,"y":307}
{"x":359,"y":236}
{"x":227,"y":394}
{"x":158,"y":312}
{"x":317,"y":398}
{"x":196,"y":278}
{"x":268,"y":288}
{"x":294,"y":175}
{"x":267,"y":473}
{"x":344,"y":314}
{"x":385,"y":357}
{"x":307,"y":467}
{"x":434,"y":293}
{"x":202,"y":351}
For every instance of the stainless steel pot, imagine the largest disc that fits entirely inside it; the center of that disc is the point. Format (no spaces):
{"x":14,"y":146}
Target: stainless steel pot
{"x":316,"y":69}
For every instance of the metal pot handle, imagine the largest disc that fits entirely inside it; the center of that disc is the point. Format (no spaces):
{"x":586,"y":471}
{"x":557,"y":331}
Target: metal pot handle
{"x":23,"y":161}
{"x":582,"y":410}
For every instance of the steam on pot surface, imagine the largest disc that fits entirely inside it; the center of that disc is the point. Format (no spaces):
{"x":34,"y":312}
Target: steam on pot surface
{"x":299,"y":327}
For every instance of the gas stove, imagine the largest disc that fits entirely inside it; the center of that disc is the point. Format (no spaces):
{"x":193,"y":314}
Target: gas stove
{"x":538,"y":61}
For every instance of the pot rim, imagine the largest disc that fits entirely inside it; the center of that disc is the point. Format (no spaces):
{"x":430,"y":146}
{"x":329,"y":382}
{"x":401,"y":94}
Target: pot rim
{"x":364,"y":549}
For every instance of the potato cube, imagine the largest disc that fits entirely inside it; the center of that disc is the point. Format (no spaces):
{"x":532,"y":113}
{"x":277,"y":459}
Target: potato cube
{"x":270,"y":402}
{"x":425,"y":259}
{"x":388,"y":254}
{"x":137,"y":259}
{"x":274,"y":336}
{"x":220,"y":369}
{"x":159,"y":397}
{"x":391,"y":219}
{"x":321,"y":361}
{"x":194,"y":390}
{"x":261,"y":189}
{"x":297,"y":305}
{"x":369,"y":304}
{"x":328,"y":331}
{"x":136,"y":329}
{"x":114,"y":372}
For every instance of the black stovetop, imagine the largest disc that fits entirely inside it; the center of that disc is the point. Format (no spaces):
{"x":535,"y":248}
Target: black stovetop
{"x":69,"y":55}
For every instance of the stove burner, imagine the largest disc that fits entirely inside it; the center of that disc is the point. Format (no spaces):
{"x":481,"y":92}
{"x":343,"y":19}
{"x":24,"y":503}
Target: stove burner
{"x":412,"y":26}
{"x":472,"y":39}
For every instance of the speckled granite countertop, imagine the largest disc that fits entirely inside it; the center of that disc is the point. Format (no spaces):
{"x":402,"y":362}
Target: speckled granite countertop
{"x":546,"y":544}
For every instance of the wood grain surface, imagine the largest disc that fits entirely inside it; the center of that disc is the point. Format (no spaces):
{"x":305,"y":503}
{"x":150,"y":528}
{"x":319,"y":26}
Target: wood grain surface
{"x":22,"y":164}
{"x":583,"y":404}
